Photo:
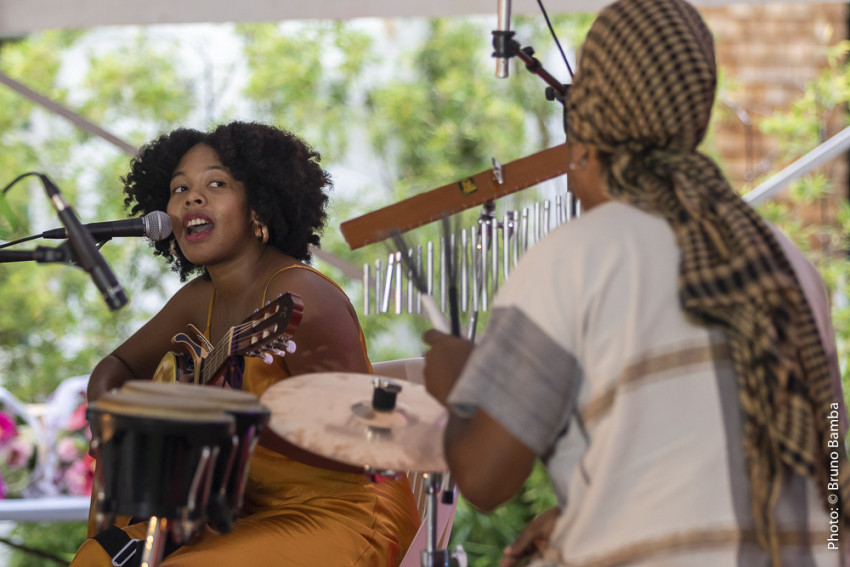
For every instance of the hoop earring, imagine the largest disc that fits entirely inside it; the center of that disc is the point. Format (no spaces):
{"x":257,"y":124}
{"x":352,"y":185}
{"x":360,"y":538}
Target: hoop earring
{"x":173,"y":248}
{"x":261,"y":231}
{"x":581,"y":165}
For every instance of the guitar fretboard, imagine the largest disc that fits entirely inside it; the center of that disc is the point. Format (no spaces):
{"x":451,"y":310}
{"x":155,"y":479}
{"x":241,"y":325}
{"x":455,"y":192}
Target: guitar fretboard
{"x":217,"y":357}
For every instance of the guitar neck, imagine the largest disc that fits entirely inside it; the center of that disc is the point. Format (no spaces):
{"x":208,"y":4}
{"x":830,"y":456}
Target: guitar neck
{"x":268,"y":329}
{"x":217,"y":358}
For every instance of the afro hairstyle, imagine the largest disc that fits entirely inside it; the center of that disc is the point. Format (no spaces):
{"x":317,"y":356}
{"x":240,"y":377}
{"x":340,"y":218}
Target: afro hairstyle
{"x":285,"y":185}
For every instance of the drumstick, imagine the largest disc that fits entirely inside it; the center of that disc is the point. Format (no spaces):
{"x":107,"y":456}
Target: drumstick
{"x":451,"y":266}
{"x":432,"y":312}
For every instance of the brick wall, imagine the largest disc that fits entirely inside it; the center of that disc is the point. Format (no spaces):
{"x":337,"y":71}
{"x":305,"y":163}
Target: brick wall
{"x":767,"y":53}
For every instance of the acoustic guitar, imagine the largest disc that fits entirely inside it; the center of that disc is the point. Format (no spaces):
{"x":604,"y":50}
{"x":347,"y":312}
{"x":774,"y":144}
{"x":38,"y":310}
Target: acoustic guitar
{"x":268,"y":331}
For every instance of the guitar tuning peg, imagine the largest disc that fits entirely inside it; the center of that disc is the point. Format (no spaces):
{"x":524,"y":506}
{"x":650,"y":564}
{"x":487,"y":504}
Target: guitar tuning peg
{"x":267,"y":357}
{"x":290,"y":346}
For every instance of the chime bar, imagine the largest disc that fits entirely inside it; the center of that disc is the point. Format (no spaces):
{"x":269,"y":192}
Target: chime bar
{"x":432,"y":205}
{"x":484,"y":253}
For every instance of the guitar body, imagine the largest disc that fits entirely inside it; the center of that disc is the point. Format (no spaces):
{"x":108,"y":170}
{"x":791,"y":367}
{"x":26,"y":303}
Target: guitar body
{"x":174,"y":367}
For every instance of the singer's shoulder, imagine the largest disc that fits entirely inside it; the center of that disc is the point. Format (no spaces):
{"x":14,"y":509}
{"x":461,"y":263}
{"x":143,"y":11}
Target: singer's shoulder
{"x":197,"y":284}
{"x":189,"y":304}
{"x":195,"y":293}
{"x":309,"y":283}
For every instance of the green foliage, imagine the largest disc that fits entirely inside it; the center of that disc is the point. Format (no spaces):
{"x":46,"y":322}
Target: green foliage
{"x":118,"y":85}
{"x":55,"y":543}
{"x":59,"y":326}
{"x":311,"y":86}
{"x":447,"y":115}
{"x":483,"y":536}
{"x":825,"y":236}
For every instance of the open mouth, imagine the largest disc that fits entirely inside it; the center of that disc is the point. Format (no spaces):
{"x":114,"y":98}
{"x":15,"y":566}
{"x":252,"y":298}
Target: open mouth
{"x":198,"y":226}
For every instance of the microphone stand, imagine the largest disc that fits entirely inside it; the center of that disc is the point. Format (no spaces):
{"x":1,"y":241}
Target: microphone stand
{"x":505,"y":47}
{"x":41,"y":254}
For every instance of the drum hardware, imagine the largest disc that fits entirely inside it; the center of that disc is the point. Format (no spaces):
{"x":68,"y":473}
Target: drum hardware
{"x":431,"y":556}
{"x":481,"y":189}
{"x":190,"y":524}
{"x":172,"y":489}
{"x":155,"y":540}
{"x":202,"y":438}
{"x":231,"y":470}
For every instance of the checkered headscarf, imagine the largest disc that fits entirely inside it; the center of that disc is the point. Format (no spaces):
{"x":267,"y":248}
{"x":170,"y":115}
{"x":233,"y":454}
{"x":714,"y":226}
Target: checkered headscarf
{"x":643,"y":94}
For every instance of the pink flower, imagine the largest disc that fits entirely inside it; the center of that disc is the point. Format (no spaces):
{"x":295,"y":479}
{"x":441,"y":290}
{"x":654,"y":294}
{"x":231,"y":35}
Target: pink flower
{"x":78,"y":477}
{"x":67,"y":450}
{"x":19,"y":454}
{"x":8,"y":429}
{"x":78,"y":418}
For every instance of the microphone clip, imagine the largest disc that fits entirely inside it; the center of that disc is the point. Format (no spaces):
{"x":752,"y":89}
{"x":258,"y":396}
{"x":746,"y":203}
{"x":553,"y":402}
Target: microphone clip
{"x":504,"y":47}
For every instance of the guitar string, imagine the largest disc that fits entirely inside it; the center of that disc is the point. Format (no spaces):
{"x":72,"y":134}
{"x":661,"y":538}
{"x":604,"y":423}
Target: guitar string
{"x":220,"y":353}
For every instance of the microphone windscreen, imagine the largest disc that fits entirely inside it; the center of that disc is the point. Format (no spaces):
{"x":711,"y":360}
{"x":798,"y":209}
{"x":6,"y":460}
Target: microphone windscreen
{"x":157,"y":225}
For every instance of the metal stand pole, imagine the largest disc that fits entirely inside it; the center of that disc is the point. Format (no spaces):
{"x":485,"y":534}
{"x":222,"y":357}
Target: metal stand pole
{"x":154,"y":542}
{"x":431,"y":556}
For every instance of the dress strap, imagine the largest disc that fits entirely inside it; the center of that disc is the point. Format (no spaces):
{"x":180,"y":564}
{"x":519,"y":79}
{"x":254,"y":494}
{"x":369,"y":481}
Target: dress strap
{"x":301,"y":266}
{"x":265,"y":291}
{"x":315,"y":271}
{"x":209,"y":313}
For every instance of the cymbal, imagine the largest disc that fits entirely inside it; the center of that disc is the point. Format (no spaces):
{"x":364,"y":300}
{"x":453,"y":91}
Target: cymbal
{"x":331,"y":414}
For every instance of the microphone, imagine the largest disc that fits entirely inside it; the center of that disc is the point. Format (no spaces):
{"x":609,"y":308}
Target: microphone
{"x":155,"y":226}
{"x":85,"y":249}
{"x":502,"y":37}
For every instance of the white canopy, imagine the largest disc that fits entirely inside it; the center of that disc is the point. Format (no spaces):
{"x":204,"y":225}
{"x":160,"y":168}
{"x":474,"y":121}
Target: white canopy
{"x":22,"y":16}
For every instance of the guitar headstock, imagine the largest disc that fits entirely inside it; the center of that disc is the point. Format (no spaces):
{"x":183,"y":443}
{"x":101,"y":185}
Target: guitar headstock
{"x":270,"y":328}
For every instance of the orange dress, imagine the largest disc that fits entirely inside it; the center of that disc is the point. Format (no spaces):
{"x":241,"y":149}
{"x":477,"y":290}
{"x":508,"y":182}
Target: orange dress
{"x":295,"y":514}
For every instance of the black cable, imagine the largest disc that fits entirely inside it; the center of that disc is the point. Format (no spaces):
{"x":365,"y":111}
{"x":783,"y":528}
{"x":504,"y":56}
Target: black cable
{"x":27,"y":239}
{"x":555,"y":37}
{"x":5,"y":190}
{"x":18,"y":178}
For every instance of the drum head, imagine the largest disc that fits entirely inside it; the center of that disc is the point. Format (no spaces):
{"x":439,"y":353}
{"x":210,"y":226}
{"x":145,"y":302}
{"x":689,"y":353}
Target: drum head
{"x":135,"y":404}
{"x":158,"y":453}
{"x":224,"y":398}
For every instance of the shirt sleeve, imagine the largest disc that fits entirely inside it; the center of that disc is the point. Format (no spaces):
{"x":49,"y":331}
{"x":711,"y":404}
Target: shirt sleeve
{"x":522,"y":378}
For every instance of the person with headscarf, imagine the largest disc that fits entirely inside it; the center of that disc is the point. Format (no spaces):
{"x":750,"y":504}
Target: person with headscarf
{"x":668,"y":355}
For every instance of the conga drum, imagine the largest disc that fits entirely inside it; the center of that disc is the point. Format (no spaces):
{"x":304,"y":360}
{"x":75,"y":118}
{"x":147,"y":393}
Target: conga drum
{"x":231,"y":471}
{"x":157,"y":456}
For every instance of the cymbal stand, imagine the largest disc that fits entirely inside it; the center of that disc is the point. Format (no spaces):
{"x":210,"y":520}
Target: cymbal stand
{"x":431,"y":556}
